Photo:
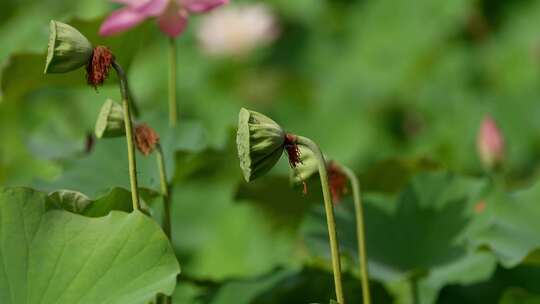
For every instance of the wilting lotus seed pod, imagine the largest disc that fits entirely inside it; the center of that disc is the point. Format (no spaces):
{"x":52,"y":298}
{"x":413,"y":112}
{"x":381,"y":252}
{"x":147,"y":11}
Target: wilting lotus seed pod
{"x":260,"y":142}
{"x":110,"y":122}
{"x":68,"y":49}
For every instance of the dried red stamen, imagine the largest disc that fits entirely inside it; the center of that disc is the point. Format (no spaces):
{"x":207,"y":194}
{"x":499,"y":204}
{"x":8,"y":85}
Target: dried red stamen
{"x":146,"y":139}
{"x":293,"y":152}
{"x":337,"y":181}
{"x":98,"y":68}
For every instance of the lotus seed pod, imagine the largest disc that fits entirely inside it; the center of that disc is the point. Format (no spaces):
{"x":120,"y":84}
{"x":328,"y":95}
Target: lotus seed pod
{"x":110,"y":122}
{"x":260,"y":142}
{"x":306,"y":168}
{"x":68,"y":49}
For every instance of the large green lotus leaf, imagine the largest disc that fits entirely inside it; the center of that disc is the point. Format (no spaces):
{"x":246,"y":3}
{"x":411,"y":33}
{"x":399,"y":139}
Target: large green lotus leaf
{"x":286,"y":207}
{"x":61,"y":257}
{"x":523,"y":278}
{"x":422,"y":235}
{"x":391,"y":175}
{"x":116,"y":199}
{"x":107,"y":165}
{"x":305,"y":285}
{"x":288,"y":204}
{"x":511,"y":231}
{"x":220,"y":228}
{"x":518,"y":296}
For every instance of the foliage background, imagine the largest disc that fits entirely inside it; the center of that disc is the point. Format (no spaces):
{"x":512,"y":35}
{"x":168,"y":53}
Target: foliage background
{"x":395,"y":89}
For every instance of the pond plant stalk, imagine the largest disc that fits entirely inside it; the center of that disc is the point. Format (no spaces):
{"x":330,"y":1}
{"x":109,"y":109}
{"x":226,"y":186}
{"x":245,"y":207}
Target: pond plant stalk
{"x":338,"y":176}
{"x":69,"y":50}
{"x":147,"y":141}
{"x":124,"y":91}
{"x":329,"y":210}
{"x":165,"y":192}
{"x":261,"y":142}
{"x":173,"y":106}
{"x":360,"y":232}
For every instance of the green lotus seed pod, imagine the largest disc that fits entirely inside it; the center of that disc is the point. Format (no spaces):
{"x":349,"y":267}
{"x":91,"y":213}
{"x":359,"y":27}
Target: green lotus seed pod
{"x":68,"y":49}
{"x":260,"y":142}
{"x":306,"y":168}
{"x":110,"y":122}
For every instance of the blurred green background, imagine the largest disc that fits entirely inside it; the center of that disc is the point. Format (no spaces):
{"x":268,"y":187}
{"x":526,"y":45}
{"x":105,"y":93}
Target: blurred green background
{"x":395,"y":89}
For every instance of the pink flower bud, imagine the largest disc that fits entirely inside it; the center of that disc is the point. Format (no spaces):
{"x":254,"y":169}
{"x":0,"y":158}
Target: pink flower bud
{"x":490,"y":143}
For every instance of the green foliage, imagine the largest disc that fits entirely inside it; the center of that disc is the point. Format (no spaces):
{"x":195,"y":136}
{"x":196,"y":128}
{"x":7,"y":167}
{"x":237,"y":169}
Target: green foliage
{"x":395,"y":89}
{"x":60,"y":257}
{"x":422,"y":237}
{"x":510,"y":229}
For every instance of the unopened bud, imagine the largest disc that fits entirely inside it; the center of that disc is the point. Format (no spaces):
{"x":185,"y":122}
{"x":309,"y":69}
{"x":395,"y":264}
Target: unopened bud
{"x":490,"y":144}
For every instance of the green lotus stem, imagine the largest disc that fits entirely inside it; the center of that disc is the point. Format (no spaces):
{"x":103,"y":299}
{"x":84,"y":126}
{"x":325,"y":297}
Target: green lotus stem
{"x":173,"y":111}
{"x":124,"y":91}
{"x":165,"y":192}
{"x":329,"y":209}
{"x":360,"y":232}
{"x":166,"y":221}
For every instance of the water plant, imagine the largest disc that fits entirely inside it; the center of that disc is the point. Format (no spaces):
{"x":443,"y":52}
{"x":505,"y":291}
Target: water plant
{"x":69,"y":50}
{"x":260,"y":143}
{"x":338,"y":176}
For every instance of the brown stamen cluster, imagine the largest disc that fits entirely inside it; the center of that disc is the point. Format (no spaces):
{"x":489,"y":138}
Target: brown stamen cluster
{"x":98,"y":68}
{"x":337,"y":181}
{"x":146,"y":139}
{"x":293,"y":152}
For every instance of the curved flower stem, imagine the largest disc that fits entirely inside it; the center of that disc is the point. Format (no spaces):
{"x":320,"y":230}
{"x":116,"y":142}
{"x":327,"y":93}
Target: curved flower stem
{"x":124,"y":91}
{"x":361,"y":236}
{"x":173,"y":111}
{"x":329,"y":209}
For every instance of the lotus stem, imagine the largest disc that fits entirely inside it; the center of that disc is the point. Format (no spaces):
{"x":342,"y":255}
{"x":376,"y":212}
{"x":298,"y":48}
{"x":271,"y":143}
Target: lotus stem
{"x":360,"y":232}
{"x":330,"y":219}
{"x":124,"y":91}
{"x":173,"y":110}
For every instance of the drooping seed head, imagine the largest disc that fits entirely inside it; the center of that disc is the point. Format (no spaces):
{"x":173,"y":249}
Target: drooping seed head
{"x":110,"y":121}
{"x":260,"y":143}
{"x":146,"y":139}
{"x":68,"y":49}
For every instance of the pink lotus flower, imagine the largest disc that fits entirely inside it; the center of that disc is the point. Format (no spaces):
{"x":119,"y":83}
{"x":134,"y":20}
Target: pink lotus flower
{"x":490,"y":143}
{"x":171,"y":15}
